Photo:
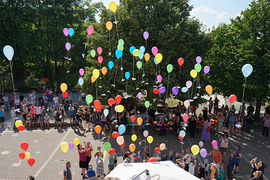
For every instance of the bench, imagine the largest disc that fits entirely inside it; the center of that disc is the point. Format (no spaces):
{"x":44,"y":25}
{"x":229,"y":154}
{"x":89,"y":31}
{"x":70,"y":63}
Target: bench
{"x":167,"y":129}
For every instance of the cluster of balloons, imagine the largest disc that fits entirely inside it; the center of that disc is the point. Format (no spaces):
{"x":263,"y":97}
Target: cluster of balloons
{"x":66,"y":146}
{"x":19,"y":125}
{"x":63,"y":88}
{"x":27,"y":155}
{"x":97,"y":105}
{"x":107,"y":146}
{"x":67,"y":32}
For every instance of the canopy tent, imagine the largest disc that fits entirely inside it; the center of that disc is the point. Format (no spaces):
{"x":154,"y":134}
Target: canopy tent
{"x":163,"y":170}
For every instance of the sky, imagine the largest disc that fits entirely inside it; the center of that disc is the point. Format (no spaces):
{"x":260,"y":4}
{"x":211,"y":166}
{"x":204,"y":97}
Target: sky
{"x":210,"y":12}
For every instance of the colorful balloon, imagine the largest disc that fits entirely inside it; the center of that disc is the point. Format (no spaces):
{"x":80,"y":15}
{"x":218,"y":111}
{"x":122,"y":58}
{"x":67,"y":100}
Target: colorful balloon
{"x":121,"y":129}
{"x":120,"y":140}
{"x":120,"y":108}
{"x":106,"y":112}
{"x":140,"y":121}
{"x":93,"y":79}
{"x":133,"y":118}
{"x":71,"y":32}
{"x":182,"y":133}
{"x":96,"y":73}
{"x":206,"y":69}
{"x":109,"y":25}
{"x":118,"y":99}
{"x":80,"y":81}
{"x":139,"y":95}
{"x":93,"y":53}
{"x":127,"y":75}
{"x":131,"y":49}
{"x":68,"y":46}
{"x":188,"y":84}
{"x":203,"y":152}
{"x":22,"y":155}
{"x":100,"y":59}
{"x":145,"y":35}
{"x":157,"y":149}
{"x":18,"y":123}
{"x":136,"y":52}
{"x":195,"y":149}
{"x":90,"y":30}
{"x":162,"y":90}
{"x":162,"y":146}
{"x":113,"y":6}
{"x":65,"y":31}
{"x":81,"y":71}
{"x":198,"y":67}
{"x":198,"y":59}
{"x":185,"y":117}
{"x":63,"y":87}
{"x":139,"y":64}
{"x":71,"y":145}
{"x":132,"y":147}
{"x":64,"y":147}
{"x":21,"y":127}
{"x":107,"y":146}
{"x":155,"y":91}
{"x":193,"y":73}
{"x":8,"y":52}
{"x":118,"y":53}
{"x":159,"y":57}
{"x":76,"y":141}
{"x":186,"y":103}
{"x":214,"y":143}
{"x":180,"y":61}
{"x":232,"y":98}
{"x":175,"y":90}
{"x":65,"y":94}
{"x":169,"y":68}
{"x":97,"y":103}
{"x":247,"y":70}
{"x":115,"y":134}
{"x":145,"y":133}
{"x":152,"y":159}
{"x":120,"y":46}
{"x":209,"y":89}
{"x":147,"y":57}
{"x":201,"y":144}
{"x":112,"y":151}
{"x":104,"y":71}
{"x":159,"y":78}
{"x":150,"y":139}
{"x":98,"y":129}
{"x":31,"y":161}
{"x":89,"y":98}
{"x":147,"y":104}
{"x":110,"y":65}
{"x":184,"y":89}
{"x":133,"y":137}
{"x":154,"y":50}
{"x":121,"y":41}
{"x":27,"y":155}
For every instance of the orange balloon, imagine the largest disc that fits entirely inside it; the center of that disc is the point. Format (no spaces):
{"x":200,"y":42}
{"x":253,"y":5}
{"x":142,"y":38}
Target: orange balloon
{"x":132,"y":147}
{"x":109,"y":25}
{"x":98,"y":129}
{"x":104,"y":71}
{"x":93,"y":79}
{"x":147,"y":57}
{"x":139,"y":121}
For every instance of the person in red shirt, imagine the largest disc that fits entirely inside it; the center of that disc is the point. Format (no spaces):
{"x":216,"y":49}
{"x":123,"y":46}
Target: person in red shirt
{"x":217,"y":158}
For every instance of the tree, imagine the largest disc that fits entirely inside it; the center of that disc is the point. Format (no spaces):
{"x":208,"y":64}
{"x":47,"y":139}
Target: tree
{"x":244,"y":41}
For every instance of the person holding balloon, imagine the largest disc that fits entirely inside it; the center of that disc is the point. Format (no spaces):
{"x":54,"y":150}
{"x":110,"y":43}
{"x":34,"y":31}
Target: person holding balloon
{"x":82,"y":158}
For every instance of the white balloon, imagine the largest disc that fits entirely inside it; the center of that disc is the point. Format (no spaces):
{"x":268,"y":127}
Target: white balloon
{"x":120,"y":140}
{"x":8,"y":52}
{"x":186,"y":103}
{"x":80,"y":81}
{"x":188,"y":84}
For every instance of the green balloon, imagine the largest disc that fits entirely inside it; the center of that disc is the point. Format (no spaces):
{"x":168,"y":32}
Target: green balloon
{"x":139,"y":64}
{"x":93,"y":53}
{"x":89,"y":98}
{"x":147,"y":104}
{"x":121,"y":41}
{"x":198,"y":67}
{"x":120,"y":46}
{"x":107,"y":146}
{"x":169,"y":68}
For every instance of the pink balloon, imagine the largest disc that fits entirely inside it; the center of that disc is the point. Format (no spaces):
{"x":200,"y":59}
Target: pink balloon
{"x":90,"y":30}
{"x":159,"y":78}
{"x":81,"y":71}
{"x":188,"y":84}
{"x":185,"y":117}
{"x":201,"y":144}
{"x":214,"y":143}
{"x":139,"y":95}
{"x":99,"y":50}
{"x":65,"y":31}
{"x":145,"y":133}
{"x":203,"y":152}
{"x":154,"y":50}
{"x":68,"y":46}
{"x":100,"y":59}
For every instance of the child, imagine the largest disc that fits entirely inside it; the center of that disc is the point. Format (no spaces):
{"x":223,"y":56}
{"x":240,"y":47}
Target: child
{"x":13,"y":114}
{"x":201,"y":170}
{"x":90,"y":172}
{"x":171,"y":155}
{"x":206,"y":168}
{"x":213,"y":171}
{"x":41,"y":119}
{"x":47,"y":118}
{"x":192,"y":166}
{"x":132,"y":158}
{"x":221,"y":172}
{"x":28,"y":120}
{"x":139,"y":156}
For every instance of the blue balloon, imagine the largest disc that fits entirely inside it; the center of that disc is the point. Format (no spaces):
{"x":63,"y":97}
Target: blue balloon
{"x":142,"y":49}
{"x":155,"y":61}
{"x":141,"y":55}
{"x":71,"y":32}
{"x":127,"y":75}
{"x":106,"y":112}
{"x":247,"y":70}
{"x":184,"y":89}
{"x":8,"y":52}
{"x":118,"y":53}
{"x":182,"y":133}
{"x":121,"y":129}
{"x":80,"y":81}
{"x":115,"y":108}
{"x":110,"y":64}
{"x":131,"y":49}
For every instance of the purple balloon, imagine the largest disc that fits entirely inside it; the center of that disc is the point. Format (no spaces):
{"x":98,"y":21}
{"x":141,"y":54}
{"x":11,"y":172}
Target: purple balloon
{"x":68,"y":46}
{"x":139,"y":95}
{"x":71,"y":145}
{"x":145,"y":35}
{"x":203,"y":152}
{"x":162,"y":90}
{"x":206,"y":69}
{"x":198,"y":59}
{"x":175,"y":90}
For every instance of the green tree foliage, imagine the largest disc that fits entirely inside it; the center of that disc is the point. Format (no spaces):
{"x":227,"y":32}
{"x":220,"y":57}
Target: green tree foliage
{"x":244,"y":41}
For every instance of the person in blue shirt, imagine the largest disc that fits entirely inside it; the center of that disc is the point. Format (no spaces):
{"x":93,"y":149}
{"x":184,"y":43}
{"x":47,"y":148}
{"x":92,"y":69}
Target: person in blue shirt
{"x":231,"y":167}
{"x":50,"y":99}
{"x":145,"y":120}
{"x":90,"y":172}
{"x":221,"y":172}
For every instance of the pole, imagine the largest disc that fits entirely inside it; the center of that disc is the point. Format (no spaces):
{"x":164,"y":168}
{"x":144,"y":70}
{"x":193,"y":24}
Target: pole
{"x":244,"y":90}
{"x":12,"y":76}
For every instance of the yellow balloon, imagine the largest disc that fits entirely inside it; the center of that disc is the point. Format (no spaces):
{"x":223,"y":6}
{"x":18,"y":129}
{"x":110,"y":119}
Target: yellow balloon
{"x":120,"y":140}
{"x":150,"y":139}
{"x":147,"y":57}
{"x":195,"y":149}
{"x":266,"y":105}
{"x":113,"y":6}
{"x":18,"y":123}
{"x":96,"y":73}
{"x":109,"y":25}
{"x":133,"y":137}
{"x":104,"y":71}
{"x":63,"y":87}
{"x":159,"y":57}
{"x":93,"y":79}
{"x":76,"y":141}
{"x":209,"y":89}
{"x":27,"y":155}
{"x":193,"y":73}
{"x":64,"y":146}
{"x":162,"y":146}
{"x":136,"y":52}
{"x":132,"y":147}
{"x":139,"y":121}
{"x":120,"y":108}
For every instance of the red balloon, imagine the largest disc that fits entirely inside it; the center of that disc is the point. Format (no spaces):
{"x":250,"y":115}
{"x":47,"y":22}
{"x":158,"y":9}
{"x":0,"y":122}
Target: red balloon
{"x":115,"y":134}
{"x":24,"y":145}
{"x":31,"y":161}
{"x":152,"y":159}
{"x":21,"y":127}
{"x":97,"y":103}
{"x":22,"y":155}
{"x":98,"y":109}
{"x":122,"y":145}
{"x":180,"y":137}
{"x":111,"y":101}
{"x":112,"y":151}
{"x":65,"y":94}
{"x":180,"y":61}
{"x":157,"y":149}
{"x":132,"y":118}
{"x":155,"y":91}
{"x":118,"y":99}
{"x":232,"y":98}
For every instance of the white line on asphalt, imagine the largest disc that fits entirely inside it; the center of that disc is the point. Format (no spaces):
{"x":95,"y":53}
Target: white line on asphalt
{"x":57,"y":147}
{"x":247,"y":159}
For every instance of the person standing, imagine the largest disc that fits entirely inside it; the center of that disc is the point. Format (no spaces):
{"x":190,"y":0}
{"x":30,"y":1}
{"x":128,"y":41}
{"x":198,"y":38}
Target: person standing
{"x":231,"y":166}
{"x":67,"y":171}
{"x":206,"y":131}
{"x":210,"y":102}
{"x":257,"y":167}
{"x":50,"y":101}
{"x":82,"y":159}
{"x":71,"y":112}
{"x":111,"y":163}
{"x":45,"y":101}
{"x":70,"y":97}
{"x":11,"y":101}
{"x":12,"y":115}
{"x":250,"y":108}
{"x":266,"y":125}
{"x":5,"y":98}
{"x":217,"y":158}
{"x":88,"y":152}
{"x":231,"y":123}
{"x":99,"y":165}
{"x":2,"y":115}
{"x":162,"y":127}
{"x":56,"y":101}
{"x":249,"y":121}
{"x":224,"y":143}
{"x":192,"y":126}
{"x":238,"y":157}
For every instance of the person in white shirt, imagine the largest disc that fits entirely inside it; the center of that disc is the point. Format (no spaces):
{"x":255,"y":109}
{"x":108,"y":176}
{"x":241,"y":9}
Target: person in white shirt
{"x":45,"y":101}
{"x":12,"y":115}
{"x":17,"y":102}
{"x":38,"y":111}
{"x":56,"y":101}
{"x":192,"y":166}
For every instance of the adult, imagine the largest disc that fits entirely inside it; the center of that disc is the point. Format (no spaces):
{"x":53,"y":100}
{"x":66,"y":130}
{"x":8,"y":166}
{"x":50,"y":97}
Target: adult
{"x":151,"y":113}
{"x":58,"y":117}
{"x":266,"y":125}
{"x":187,"y":159}
{"x":250,"y":108}
{"x":134,"y":111}
{"x":99,"y":165}
{"x":62,"y":112}
{"x":50,"y":100}
{"x":238,"y":125}
{"x":249,"y":121}
{"x":232,"y":109}
{"x":17,"y":102}
{"x":206,"y":131}
{"x":192,"y":126}
{"x":56,"y":101}
{"x":11,"y":101}
{"x":67,"y":171}
{"x":66,"y":104}
{"x":219,"y":123}
{"x":82,"y":158}
{"x":205,"y":116}
{"x":224,"y":143}
{"x":217,"y":158}
{"x":99,"y":150}
{"x":242,"y":109}
{"x":210,"y":104}
{"x":88,"y":152}
{"x":145,"y":117}
{"x":5,"y":98}
{"x":237,"y":157}
{"x":111,"y":162}
{"x":162,"y":127}
{"x":2,"y":115}
{"x":231,"y":166}
{"x":231,"y":123}
{"x":256,"y":175}
{"x":71,"y":112}
{"x":257,"y":167}
{"x":70,"y":97}
{"x":45,"y":101}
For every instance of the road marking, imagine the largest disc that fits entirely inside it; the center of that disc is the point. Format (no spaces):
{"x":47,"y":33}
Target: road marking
{"x":48,"y":160}
{"x":109,"y":137}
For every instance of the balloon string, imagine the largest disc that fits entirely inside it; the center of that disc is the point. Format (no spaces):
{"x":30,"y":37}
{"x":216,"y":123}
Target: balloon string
{"x":96,"y":89}
{"x":156,"y":69}
{"x":244,"y":90}
{"x":116,"y":27}
{"x":159,"y":68}
{"x":192,"y":88}
{"x":168,"y":85}
{"x":12,"y":76}
{"x":126,"y":86}
{"x":91,"y":87}
{"x":115,"y":73}
{"x":179,"y":75}
{"x":86,"y":44}
{"x":122,"y":68}
{"x":201,"y":85}
{"x":147,"y":70}
{"x":109,"y":41}
{"x":133,"y":66}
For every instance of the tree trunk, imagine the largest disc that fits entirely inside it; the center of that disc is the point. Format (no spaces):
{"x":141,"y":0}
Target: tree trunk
{"x":258,"y":110}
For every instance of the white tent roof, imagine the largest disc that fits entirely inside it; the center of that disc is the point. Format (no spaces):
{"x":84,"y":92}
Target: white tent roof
{"x":163,"y":170}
